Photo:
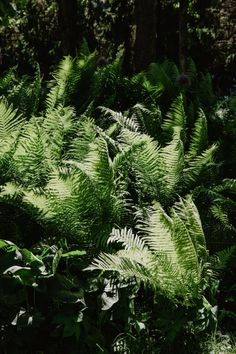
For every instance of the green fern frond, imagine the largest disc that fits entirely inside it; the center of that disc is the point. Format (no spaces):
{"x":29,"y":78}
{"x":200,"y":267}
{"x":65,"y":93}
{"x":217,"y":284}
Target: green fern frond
{"x":185,"y":250}
{"x":157,"y":75}
{"x":199,"y":137}
{"x":80,"y":145}
{"x":176,"y":117}
{"x":10,"y":125}
{"x":59,"y":83}
{"x":127,"y":239}
{"x":31,"y":160}
{"x":163,"y":256}
{"x":171,"y":164}
{"x":156,"y":231}
{"x":221,"y":216}
{"x":58,"y":125}
{"x":188,"y":213}
{"x":123,"y":121}
{"x":199,"y":165}
{"x":171,"y":70}
{"x":7,"y":80}
{"x":10,"y":120}
{"x":105,"y":81}
{"x":148,"y":119}
{"x":222,"y":258}
{"x":227,"y":185}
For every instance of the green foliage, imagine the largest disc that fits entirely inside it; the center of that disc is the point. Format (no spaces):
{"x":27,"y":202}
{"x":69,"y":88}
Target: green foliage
{"x":169,"y":254}
{"x":93,"y":162}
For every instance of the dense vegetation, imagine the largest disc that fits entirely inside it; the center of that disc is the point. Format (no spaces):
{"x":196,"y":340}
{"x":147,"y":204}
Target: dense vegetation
{"x":117,"y":189}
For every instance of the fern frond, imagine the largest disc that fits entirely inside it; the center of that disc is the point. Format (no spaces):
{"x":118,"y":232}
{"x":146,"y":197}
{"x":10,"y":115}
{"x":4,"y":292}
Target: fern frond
{"x":171,"y":164}
{"x":148,"y":119}
{"x":10,"y":126}
{"x":163,"y":256}
{"x":157,"y":75}
{"x":227,"y":185}
{"x":221,"y":216}
{"x":80,"y":145}
{"x":188,"y":213}
{"x":59,"y":83}
{"x":199,"y":137}
{"x":156,"y":231}
{"x":10,"y":120}
{"x":31,"y":160}
{"x":176,"y":117}
{"x":123,"y":121}
{"x":105,"y":81}
{"x":198,"y":165}
{"x":127,"y":239}
{"x":171,"y":69}
{"x":58,"y":125}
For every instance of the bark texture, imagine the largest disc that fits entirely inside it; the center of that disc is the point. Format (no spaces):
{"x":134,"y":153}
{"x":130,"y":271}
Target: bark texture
{"x":67,"y":18}
{"x":145,"y":37}
{"x":183,"y":36}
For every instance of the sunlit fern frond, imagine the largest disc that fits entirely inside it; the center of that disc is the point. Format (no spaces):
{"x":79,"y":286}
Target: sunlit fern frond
{"x":188,"y":213}
{"x":72,"y":82}
{"x":144,"y":160}
{"x":59,"y":83}
{"x":171,"y":165}
{"x":32,"y":161}
{"x":122,"y":120}
{"x":127,"y":239}
{"x":149,"y":119}
{"x":156,"y":231}
{"x":167,"y":260}
{"x":176,"y":117}
{"x":10,"y":126}
{"x":201,"y":164}
{"x":10,"y":120}
{"x":86,"y":134}
{"x":58,"y":125}
{"x":199,"y":137}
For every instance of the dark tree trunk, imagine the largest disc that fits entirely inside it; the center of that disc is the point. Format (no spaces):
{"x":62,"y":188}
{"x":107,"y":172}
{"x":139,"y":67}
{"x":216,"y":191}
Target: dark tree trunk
{"x":183,"y":36}
{"x":145,"y":38}
{"x":67,"y":18}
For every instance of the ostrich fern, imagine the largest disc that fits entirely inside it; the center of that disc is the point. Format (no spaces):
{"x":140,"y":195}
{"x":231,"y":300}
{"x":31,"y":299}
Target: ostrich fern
{"x":168,"y":252}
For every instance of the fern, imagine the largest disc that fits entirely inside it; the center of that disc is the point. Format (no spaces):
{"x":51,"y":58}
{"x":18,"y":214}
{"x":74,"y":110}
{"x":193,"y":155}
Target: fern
{"x":10,"y":121}
{"x":172,"y":164}
{"x":10,"y":125}
{"x":199,"y":137}
{"x":199,"y":165}
{"x":61,"y":76}
{"x":105,"y":82}
{"x":165,"y":256}
{"x":176,"y":117}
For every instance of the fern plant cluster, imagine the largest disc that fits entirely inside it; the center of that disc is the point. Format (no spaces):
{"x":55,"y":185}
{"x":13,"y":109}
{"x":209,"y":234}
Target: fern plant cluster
{"x":123,"y":178}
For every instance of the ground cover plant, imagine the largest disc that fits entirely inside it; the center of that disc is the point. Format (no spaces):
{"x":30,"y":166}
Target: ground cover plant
{"x":117,"y":210}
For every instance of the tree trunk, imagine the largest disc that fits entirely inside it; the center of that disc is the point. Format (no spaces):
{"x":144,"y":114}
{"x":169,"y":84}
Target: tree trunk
{"x":67,"y":18}
{"x":145,"y":37}
{"x":183,"y":34}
